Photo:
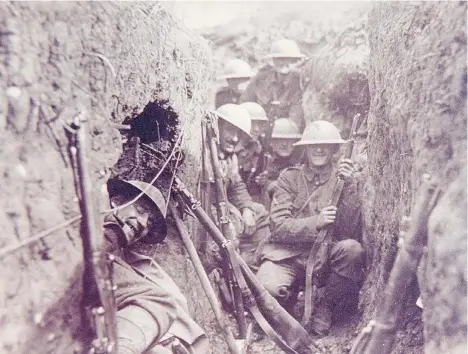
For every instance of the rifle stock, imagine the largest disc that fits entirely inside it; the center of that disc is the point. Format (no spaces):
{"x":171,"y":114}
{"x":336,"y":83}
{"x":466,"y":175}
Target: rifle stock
{"x":98,"y":314}
{"x":379,"y":335}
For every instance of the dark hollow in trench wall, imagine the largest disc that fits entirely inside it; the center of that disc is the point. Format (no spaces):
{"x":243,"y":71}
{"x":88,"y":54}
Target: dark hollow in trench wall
{"x":152,"y":136}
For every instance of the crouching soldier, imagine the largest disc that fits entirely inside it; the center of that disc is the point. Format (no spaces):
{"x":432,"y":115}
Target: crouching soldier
{"x":299,"y":211}
{"x":283,"y":154}
{"x":249,"y":219}
{"x":152,"y":313}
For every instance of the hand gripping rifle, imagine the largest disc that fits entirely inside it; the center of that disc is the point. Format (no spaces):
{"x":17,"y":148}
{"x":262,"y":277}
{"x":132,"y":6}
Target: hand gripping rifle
{"x":322,"y":242}
{"x":98,"y":313}
{"x":284,"y":330}
{"x":379,"y":335}
{"x":224,"y":222}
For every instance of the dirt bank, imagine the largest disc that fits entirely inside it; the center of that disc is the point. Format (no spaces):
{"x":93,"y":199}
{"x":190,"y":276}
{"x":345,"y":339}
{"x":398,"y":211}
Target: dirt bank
{"x":110,"y":59}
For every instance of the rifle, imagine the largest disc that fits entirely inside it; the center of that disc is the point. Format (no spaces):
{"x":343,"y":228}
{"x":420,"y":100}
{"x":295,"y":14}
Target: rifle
{"x":204,"y":280}
{"x":224,"y":222}
{"x":285,"y":331}
{"x":98,"y":304}
{"x":205,"y":185}
{"x":324,"y":236}
{"x":379,"y":335}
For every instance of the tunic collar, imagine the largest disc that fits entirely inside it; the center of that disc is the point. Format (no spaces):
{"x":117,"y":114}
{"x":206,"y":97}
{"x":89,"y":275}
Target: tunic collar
{"x":320,"y":175}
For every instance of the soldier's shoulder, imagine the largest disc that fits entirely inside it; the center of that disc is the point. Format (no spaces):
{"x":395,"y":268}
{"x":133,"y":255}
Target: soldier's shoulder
{"x":291,"y":171}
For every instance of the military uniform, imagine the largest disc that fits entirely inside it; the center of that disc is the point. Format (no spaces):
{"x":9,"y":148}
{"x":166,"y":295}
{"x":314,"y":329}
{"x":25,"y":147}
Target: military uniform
{"x":147,"y":297}
{"x":269,"y":86}
{"x":238,"y":200}
{"x":285,"y":254}
{"x":226,"y":95}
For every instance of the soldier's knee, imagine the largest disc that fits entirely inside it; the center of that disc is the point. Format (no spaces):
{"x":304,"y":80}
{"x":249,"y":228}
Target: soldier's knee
{"x":269,"y":282}
{"x":352,"y":250}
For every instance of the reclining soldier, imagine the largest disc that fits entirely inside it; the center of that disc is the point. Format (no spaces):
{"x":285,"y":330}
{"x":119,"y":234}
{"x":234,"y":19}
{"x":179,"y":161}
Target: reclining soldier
{"x":249,"y":219}
{"x":152,"y":313}
{"x":299,"y":211}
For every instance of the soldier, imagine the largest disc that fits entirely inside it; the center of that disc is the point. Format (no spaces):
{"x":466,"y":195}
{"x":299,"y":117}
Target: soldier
{"x":236,"y":73}
{"x":299,"y":211}
{"x":152,"y":313}
{"x":252,"y":150}
{"x":283,"y":154}
{"x":276,"y":87}
{"x":250,"y":219}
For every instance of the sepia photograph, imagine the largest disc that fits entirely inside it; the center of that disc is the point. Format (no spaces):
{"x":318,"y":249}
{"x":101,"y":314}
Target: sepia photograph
{"x":233,"y":177}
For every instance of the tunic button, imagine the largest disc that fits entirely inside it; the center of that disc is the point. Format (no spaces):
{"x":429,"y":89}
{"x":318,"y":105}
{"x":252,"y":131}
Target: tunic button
{"x":316,"y":183}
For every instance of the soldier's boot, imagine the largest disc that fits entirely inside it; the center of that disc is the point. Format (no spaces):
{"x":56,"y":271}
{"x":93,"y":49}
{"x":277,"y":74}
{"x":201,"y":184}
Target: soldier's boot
{"x":340,"y":293}
{"x":321,"y":320}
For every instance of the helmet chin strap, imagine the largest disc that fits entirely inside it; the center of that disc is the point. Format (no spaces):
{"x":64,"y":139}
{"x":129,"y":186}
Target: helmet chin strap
{"x":129,"y":233}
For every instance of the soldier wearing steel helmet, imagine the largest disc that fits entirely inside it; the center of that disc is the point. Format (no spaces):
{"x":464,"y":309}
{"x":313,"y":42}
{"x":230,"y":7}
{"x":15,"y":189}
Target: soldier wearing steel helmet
{"x":152,"y":312}
{"x":299,"y":211}
{"x":283,"y":154}
{"x":276,"y":87}
{"x":249,"y":219}
{"x":251,"y":150}
{"x":236,"y":73}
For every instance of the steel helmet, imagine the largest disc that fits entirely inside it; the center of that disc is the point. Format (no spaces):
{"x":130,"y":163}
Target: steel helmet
{"x":236,"y":68}
{"x":236,"y":115}
{"x":320,"y":132}
{"x":115,"y":186}
{"x":285,"y":48}
{"x":255,"y":110}
{"x":285,"y":128}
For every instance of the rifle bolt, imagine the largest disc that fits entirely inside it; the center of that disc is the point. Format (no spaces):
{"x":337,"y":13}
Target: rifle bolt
{"x":38,"y":317}
{"x":50,"y":337}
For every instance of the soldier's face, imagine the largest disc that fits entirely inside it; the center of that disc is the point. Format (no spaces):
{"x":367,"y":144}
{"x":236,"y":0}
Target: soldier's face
{"x":282,"y":147}
{"x":283,"y":65}
{"x":259,"y":127}
{"x":135,"y":217}
{"x":320,"y":154}
{"x":237,"y":83}
{"x":228,"y":137}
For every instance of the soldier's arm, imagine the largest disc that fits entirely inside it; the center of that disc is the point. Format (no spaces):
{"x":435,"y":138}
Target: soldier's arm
{"x":145,"y":311}
{"x":285,"y":228}
{"x":237,"y":190}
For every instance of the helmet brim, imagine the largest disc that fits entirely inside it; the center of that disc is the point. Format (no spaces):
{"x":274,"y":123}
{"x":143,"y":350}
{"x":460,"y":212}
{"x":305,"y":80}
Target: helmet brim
{"x":223,"y":117}
{"x":116,"y":186}
{"x":317,"y":142}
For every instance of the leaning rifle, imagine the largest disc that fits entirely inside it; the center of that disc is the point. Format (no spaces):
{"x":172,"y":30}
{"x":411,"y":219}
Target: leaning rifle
{"x":98,"y":312}
{"x":224,"y":221}
{"x":284,"y":330}
{"x":379,"y":335}
{"x":324,"y":236}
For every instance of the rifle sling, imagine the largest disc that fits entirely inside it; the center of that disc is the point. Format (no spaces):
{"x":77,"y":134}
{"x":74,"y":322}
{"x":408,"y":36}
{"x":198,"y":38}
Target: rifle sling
{"x":250,"y":302}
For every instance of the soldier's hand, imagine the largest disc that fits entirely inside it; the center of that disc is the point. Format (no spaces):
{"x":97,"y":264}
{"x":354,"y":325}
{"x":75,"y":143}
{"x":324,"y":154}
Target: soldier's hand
{"x":262,"y":178}
{"x":326,"y":217}
{"x":249,"y":221}
{"x":346,"y":169}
